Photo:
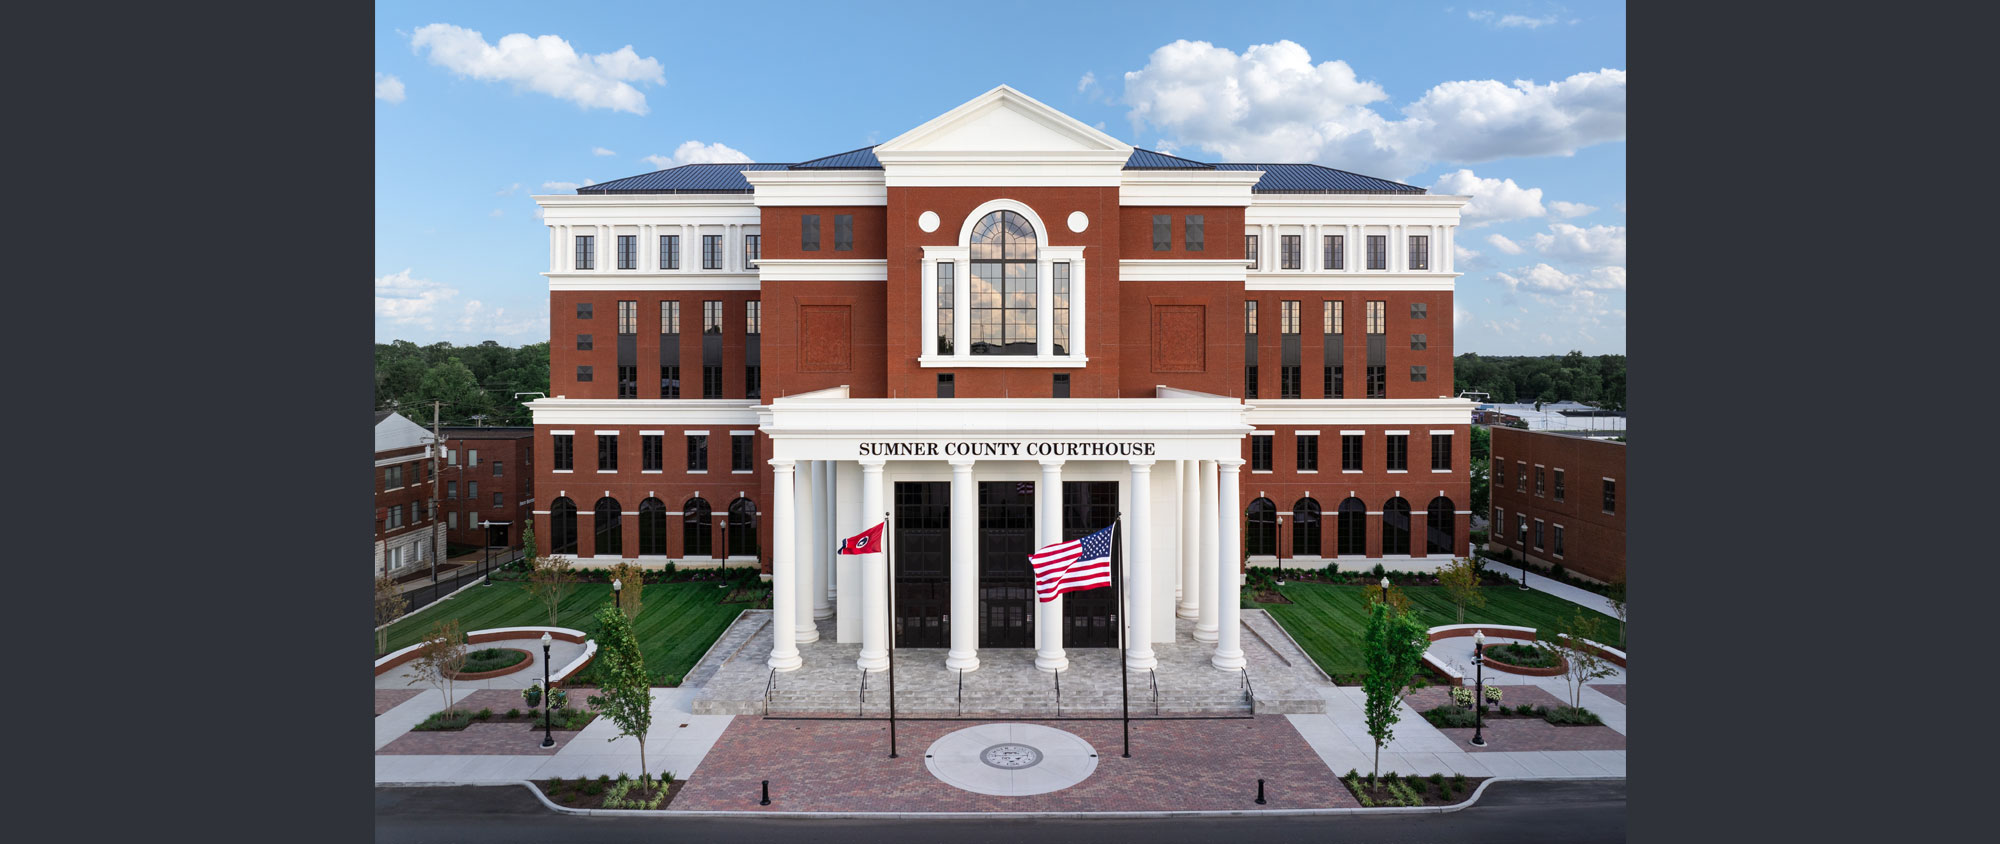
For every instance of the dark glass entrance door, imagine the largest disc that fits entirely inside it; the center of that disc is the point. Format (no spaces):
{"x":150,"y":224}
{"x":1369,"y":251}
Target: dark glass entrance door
{"x":1090,"y":616}
{"x":496,"y":536}
{"x":922,"y":548}
{"x":1006,"y":580}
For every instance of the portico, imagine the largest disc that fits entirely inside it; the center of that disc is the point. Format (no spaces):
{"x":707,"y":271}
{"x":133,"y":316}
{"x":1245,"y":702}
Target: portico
{"x":970,"y":487}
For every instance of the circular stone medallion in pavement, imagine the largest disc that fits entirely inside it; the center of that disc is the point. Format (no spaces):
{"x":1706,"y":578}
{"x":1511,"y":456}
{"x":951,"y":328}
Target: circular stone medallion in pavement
{"x":1011,"y":760}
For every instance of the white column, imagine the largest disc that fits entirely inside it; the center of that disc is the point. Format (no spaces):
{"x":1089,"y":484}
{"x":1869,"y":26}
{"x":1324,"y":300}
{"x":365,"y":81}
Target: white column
{"x":1139,"y":580}
{"x":823,"y":531}
{"x":1190,"y":512}
{"x":1311,"y":248}
{"x":964,"y":654}
{"x":1205,"y":614}
{"x":961,"y":310}
{"x":1450,"y":248}
{"x":1045,"y":341}
{"x":607,"y":248}
{"x":1229,"y":636}
{"x":874,"y":577}
{"x":847,"y":590}
{"x":1354,"y":248}
{"x":689,"y":236}
{"x":784,"y":571}
{"x":806,"y":551}
{"x":927,"y":304}
{"x":555,"y":249}
{"x":1048,"y":529}
{"x":1077,"y":310}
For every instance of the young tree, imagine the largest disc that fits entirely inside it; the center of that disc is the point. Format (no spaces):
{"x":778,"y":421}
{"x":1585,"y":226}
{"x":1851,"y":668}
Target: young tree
{"x":389,"y":606}
{"x":1391,"y":647}
{"x":1616,"y":594}
{"x":528,"y":540}
{"x":1460,"y":578}
{"x":550,"y":580}
{"x":633,"y":580}
{"x":439,"y":660}
{"x":1397,"y":600}
{"x":625,"y":691}
{"x":1582,"y":663}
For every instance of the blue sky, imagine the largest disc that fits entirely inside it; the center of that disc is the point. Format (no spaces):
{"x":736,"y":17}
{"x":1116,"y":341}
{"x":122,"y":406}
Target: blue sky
{"x":1521,"y":105}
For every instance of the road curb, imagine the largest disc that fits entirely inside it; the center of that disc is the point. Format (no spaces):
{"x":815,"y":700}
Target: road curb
{"x":1467,"y":803}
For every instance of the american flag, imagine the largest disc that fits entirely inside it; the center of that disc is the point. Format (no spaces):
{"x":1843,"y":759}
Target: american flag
{"x":1074,"y":565}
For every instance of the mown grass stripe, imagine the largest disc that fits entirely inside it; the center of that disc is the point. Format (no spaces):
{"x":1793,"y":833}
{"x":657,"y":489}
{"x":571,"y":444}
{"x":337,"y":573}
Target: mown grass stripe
{"x":1327,"y":619}
{"x":677,"y":621}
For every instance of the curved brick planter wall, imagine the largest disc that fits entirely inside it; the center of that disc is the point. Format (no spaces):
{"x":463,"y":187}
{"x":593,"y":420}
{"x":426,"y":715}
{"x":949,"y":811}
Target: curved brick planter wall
{"x":499,"y":672}
{"x":494,"y":634}
{"x":1557,"y":670}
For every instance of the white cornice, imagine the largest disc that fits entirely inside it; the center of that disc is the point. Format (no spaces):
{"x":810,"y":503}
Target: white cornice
{"x":1002,"y":97}
{"x":1336,"y":280}
{"x":1037,"y":418}
{"x":662,"y":412}
{"x":567,"y":201}
{"x":633,"y":281}
{"x":818,"y":187}
{"x":1229,"y":188}
{"x":1331,"y":412}
{"x":1182,"y":269}
{"x":823,"y":269}
{"x":1348,"y":200}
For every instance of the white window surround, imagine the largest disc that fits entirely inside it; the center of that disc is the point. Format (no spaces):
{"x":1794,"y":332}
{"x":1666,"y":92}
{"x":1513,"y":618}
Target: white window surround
{"x":961,"y":331}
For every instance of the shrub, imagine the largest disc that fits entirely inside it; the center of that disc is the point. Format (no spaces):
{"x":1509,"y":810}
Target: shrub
{"x":1448,"y":716}
{"x":1562,"y":715}
{"x":1377,"y":572}
{"x":484,"y":714}
{"x":514,"y":713}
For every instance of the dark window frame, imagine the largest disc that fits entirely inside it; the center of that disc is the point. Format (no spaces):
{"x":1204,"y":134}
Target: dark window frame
{"x":1260,"y":452}
{"x":1378,"y":252}
{"x":584,"y":373}
{"x":628,"y":251}
{"x":1291,"y":252}
{"x":711,"y":252}
{"x":1250,"y":251}
{"x":1441,"y":452}
{"x":753,"y":249}
{"x":947,"y":385}
{"x":652,"y":456}
{"x":563,"y":449}
{"x":697,"y":452}
{"x":584,"y":343}
{"x":1334,"y":256}
{"x":586,"y":252}
{"x":1059,"y":385}
{"x":1397,"y":453}
{"x":843,"y":232}
{"x":809,"y":232}
{"x":607,"y":452}
{"x":670,"y":252}
{"x":742,"y":452}
{"x":1611,"y":497}
{"x":1163,"y":232}
{"x":1353,"y":451}
{"x":1307,"y":446}
{"x":1194,"y":235}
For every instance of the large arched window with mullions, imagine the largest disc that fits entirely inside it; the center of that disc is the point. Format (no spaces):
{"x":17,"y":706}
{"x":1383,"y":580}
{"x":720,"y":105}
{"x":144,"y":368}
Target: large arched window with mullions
{"x":1260,"y":538}
{"x":652,"y":527}
{"x":1305,"y":528}
{"x":1350,"y":526}
{"x":562,"y":527}
{"x":1003,"y":285}
{"x":742,"y":528}
{"x":1395,"y":527}
{"x":1440,"y":526}
{"x":697,"y":539}
{"x":609,"y":527}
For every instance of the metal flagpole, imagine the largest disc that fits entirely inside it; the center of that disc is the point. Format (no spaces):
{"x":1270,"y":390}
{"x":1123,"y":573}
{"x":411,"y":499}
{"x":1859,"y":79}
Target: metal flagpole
{"x":1124,"y":617}
{"x":890,"y":561}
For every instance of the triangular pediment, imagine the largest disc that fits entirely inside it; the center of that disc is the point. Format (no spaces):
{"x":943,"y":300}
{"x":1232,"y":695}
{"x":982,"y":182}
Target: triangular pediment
{"x":1003,"y":121}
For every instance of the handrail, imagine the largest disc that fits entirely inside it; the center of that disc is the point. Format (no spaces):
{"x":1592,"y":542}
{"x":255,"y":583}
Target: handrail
{"x":1058,"y":676}
{"x":1249,"y":691}
{"x":1155,"y":675}
{"x":961,"y":691}
{"x":862,"y":704}
{"x":770,"y":686}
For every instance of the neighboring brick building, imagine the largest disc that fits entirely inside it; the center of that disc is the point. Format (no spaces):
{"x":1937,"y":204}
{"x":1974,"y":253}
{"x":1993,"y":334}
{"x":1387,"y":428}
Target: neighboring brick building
{"x":1560,"y":499}
{"x":488,"y":477}
{"x":406,"y":535}
{"x":1007,"y":328}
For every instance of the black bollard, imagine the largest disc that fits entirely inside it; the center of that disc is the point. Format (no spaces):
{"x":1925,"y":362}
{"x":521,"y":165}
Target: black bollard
{"x":767,"y":794}
{"x":1260,"y":792}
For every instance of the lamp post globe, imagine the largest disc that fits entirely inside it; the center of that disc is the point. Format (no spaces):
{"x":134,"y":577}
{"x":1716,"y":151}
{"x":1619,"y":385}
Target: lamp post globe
{"x":548,"y":711}
{"x":1478,"y":687}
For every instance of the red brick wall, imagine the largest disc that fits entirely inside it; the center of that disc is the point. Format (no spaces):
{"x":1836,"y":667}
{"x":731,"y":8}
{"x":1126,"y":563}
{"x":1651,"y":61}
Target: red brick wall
{"x":780,"y":226}
{"x":1158,"y":346}
{"x":631,"y":485}
{"x":796,"y":363}
{"x":1222,"y":231}
{"x":1374,"y":485}
{"x":416,"y":487}
{"x":516,"y":487}
{"x":564,"y":357}
{"x":1593,"y":541}
{"x":1436,"y":327}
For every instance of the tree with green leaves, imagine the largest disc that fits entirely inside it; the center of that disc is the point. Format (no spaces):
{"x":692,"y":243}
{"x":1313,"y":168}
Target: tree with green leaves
{"x":1482,"y":458}
{"x":441,"y":657}
{"x":625,"y":691}
{"x":528,"y":539}
{"x":1460,"y":579}
{"x":389,"y":606}
{"x":550,"y":580}
{"x":1391,"y":648}
{"x":1615,"y":593}
{"x":1581,"y":662}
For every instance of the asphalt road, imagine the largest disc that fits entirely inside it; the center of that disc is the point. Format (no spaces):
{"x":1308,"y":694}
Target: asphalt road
{"x":1543,"y":812}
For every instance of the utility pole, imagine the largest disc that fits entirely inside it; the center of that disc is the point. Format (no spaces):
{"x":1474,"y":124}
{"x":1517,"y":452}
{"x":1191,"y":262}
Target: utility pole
{"x":437,"y":468}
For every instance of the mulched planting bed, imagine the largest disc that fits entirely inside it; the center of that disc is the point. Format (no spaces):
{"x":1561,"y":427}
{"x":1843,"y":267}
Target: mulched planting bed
{"x":387,"y":699}
{"x":1519,"y":655}
{"x":479,"y":739}
{"x":1615,"y":691}
{"x":1520,"y":734}
{"x":502,"y":701}
{"x":1270,"y":597}
{"x":1389,"y":789}
{"x":579,"y":793}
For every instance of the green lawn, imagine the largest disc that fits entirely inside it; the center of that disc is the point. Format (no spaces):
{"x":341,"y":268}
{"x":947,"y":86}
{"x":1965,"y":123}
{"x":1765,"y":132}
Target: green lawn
{"x":1327,"y":619}
{"x":677,"y":621}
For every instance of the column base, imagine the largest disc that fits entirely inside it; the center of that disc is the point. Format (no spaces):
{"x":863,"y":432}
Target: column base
{"x":1141,"y":661}
{"x":786,"y":662}
{"x":1188,"y":612}
{"x":822,"y":613}
{"x":961,"y":662}
{"x":1208,"y":637}
{"x":807,"y":634}
{"x":1052,"y":661}
{"x":1228,"y":662}
{"x":874,"y":662}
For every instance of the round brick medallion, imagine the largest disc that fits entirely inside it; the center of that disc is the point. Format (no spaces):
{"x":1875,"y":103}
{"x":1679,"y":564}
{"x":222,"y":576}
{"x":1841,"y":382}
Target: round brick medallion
{"x":1011,"y":756}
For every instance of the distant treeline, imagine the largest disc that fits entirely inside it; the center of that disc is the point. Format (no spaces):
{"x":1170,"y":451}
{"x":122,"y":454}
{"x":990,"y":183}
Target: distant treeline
{"x":476,"y":383}
{"x":1598,"y":380}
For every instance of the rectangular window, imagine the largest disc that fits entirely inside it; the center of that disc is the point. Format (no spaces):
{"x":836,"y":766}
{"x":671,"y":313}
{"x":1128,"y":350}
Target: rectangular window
{"x":1441,"y":452}
{"x":1059,"y":308}
{"x":670,"y":317}
{"x":753,"y":323}
{"x":670,"y":381}
{"x":711,"y":382}
{"x":697,"y":452}
{"x":1399,"y":451}
{"x":1559,"y":540}
{"x":1521,"y":477}
{"x":1378,"y":252}
{"x":1250,"y":251}
{"x":1288,"y":381}
{"x":471,"y":492}
{"x":1420,"y":342}
{"x":670,"y":252}
{"x":1163,"y":232}
{"x":1420,"y":373}
{"x":585,"y":310}
{"x":1289,"y":253}
{"x":1520,"y":528}
{"x":1335,"y":249}
{"x":753,"y":248}
{"x":1250,"y":381}
{"x":472,"y":457}
{"x":711,"y":316}
{"x":628,"y":252}
{"x":753,"y":381}
{"x":628,"y":317}
{"x":1260,"y":452}
{"x":1419,"y":310}
{"x":583,"y":373}
{"x":628,"y":381}
{"x":809,"y":232}
{"x":1559,"y":485}
{"x":1194,"y":235}
{"x":1377,"y":317}
{"x":1333,"y":388}
{"x":498,"y":497}
{"x":947,"y":386}
{"x":1538,"y":534}
{"x":607,"y":452}
{"x":742,"y":452}
{"x":395,"y":519}
{"x":565,"y":451}
{"x":1420,"y":252}
{"x":1288,"y":317}
{"x":1060,"y":389}
{"x":451,"y":520}
{"x":1308,"y":452}
{"x":586,"y":252}
{"x":843,"y":232}
{"x":651,"y":458}
{"x":392,"y":478}
{"x":451,"y":490}
{"x":1250,"y":335}
{"x":583,"y":343}
{"x":1538,"y":481}
{"x":451,"y":457}
{"x":947,"y":279}
{"x":711,"y":252}
{"x":1250,"y":317}
{"x":1378,"y":381}
{"x":1350,"y":452}
{"x":1610,"y":496}
{"x":498,"y":470}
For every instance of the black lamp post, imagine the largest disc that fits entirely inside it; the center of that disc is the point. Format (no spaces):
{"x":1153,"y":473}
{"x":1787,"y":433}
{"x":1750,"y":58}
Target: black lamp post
{"x":616,"y":585}
{"x":548,"y":698}
{"x":1478,"y":686}
{"x":486,"y":567}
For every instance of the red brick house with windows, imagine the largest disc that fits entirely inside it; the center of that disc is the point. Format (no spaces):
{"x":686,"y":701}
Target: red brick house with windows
{"x":1559,"y":499}
{"x":488,"y":485}
{"x":406,"y":535}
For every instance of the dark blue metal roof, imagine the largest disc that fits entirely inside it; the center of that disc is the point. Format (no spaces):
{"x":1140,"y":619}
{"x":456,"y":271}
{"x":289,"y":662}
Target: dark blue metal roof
{"x":687,"y":178}
{"x":1146,"y":159}
{"x":854,"y":159}
{"x":1312,"y":178}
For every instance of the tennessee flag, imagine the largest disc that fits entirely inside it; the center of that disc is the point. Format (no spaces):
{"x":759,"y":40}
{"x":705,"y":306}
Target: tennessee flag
{"x":866,"y":542}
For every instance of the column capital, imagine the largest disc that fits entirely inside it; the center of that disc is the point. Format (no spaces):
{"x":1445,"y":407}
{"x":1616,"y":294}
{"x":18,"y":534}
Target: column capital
{"x":872,"y":465}
{"x":965,"y":462}
{"x":782,"y":465}
{"x":1141,"y":464}
{"x":1230,"y":464}
{"x":1051,"y":461}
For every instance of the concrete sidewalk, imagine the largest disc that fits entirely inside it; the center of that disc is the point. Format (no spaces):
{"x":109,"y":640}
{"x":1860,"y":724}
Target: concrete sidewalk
{"x":677,"y":742}
{"x":1340,"y":737}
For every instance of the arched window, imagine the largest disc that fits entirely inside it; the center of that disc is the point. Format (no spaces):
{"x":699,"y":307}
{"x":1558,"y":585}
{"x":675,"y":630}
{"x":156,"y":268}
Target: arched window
{"x":742,"y":528}
{"x":610,"y":531}
{"x":1305,"y":528}
{"x":1003,"y":285}
{"x":1395,"y":527}
{"x":1261,"y":539}
{"x":1440,"y":526}
{"x":562,"y":527}
{"x":1351,"y":528}
{"x":697,"y":540}
{"x":653,"y":527}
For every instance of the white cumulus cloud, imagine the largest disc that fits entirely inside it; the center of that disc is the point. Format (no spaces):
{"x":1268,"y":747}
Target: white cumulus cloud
{"x":479,"y":320}
{"x":1089,"y":79}
{"x":1273,"y":103}
{"x":546,"y":64}
{"x":388,"y":87}
{"x":1542,"y":278}
{"x":567,"y":185}
{"x":1566,"y":210}
{"x":403,"y":300}
{"x":600,"y":151}
{"x":696,"y":152}
{"x":1597,"y":244}
{"x":1493,"y":200}
{"x":1513,"y":21}
{"x":1501,"y":243}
